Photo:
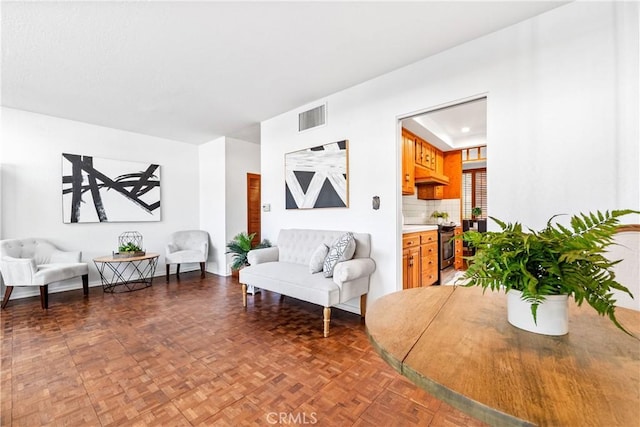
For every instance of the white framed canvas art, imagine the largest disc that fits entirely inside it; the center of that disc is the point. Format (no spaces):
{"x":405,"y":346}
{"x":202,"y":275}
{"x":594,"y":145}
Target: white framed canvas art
{"x":318,"y":177}
{"x":106,"y":190}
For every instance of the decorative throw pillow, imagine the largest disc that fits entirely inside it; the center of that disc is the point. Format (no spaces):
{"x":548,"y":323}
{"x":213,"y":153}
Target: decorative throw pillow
{"x":341,"y":250}
{"x":317,"y":259}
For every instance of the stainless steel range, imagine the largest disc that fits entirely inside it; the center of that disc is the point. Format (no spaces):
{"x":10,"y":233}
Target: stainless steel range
{"x":446,"y":245}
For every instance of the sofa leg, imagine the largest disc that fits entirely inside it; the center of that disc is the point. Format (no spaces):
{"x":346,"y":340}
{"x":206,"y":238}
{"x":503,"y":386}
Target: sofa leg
{"x":85,"y":284}
{"x":202,"y":270}
{"x":177,"y":270}
{"x":326,"y":314}
{"x":44,"y":296}
{"x":244,"y":295}
{"x":363,"y":305}
{"x":168,"y":268}
{"x":7,"y":294}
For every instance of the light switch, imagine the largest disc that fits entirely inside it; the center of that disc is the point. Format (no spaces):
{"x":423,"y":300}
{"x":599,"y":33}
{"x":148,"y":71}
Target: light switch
{"x":266,"y":207}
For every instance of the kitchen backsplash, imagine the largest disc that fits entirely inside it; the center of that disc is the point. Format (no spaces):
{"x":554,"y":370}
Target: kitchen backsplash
{"x":416,"y":211}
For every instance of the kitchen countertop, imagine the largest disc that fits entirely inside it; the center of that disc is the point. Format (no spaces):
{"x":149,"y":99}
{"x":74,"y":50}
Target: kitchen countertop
{"x":416,"y":228}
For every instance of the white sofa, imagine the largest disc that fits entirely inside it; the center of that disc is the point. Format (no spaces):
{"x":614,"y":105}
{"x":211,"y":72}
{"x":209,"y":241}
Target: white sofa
{"x":284,"y":269}
{"x":37,"y":262}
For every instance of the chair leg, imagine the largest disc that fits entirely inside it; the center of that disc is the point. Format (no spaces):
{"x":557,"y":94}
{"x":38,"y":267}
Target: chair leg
{"x":326,"y":314}
{"x":178,"y":270}
{"x":168,"y":267}
{"x":202,"y":270}
{"x":85,"y":284}
{"x":44,"y":296}
{"x":244,"y":295}
{"x":7,"y":294}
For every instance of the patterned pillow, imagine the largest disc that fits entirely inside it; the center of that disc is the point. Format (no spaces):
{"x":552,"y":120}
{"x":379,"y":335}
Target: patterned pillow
{"x":341,"y":250}
{"x":317,"y":259}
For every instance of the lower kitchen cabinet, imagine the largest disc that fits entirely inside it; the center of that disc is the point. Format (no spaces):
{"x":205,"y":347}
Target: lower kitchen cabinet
{"x":419,"y":259}
{"x":411,"y":267}
{"x":458,"y":261}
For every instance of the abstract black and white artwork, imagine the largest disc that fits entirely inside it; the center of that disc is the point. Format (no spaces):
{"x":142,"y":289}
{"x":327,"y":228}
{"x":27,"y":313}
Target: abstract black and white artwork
{"x":105,"y":190}
{"x":317,"y":177}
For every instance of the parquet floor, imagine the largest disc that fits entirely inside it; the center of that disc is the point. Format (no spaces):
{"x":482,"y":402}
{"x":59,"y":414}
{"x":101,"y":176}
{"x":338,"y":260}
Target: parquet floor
{"x":188,"y":354}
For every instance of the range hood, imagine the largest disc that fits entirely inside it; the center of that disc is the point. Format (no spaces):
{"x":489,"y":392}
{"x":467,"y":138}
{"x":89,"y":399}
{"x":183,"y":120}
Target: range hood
{"x":424,"y":176}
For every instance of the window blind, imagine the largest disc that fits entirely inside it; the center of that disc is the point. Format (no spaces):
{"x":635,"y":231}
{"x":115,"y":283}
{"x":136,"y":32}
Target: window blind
{"x":474,"y":192}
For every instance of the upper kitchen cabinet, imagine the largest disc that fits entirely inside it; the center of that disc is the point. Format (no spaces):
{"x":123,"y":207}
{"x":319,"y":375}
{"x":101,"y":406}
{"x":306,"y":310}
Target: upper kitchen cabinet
{"x":453,"y":169}
{"x":408,"y":165}
{"x":450,"y":166}
{"x":426,"y":155}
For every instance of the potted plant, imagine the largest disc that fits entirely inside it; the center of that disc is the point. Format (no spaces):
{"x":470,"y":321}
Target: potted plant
{"x":128,"y":250}
{"x":476,"y":212}
{"x":558,"y":262}
{"x":240,"y":247}
{"x":440,"y":216}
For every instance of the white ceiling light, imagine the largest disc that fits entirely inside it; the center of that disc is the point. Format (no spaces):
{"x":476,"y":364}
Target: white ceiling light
{"x":465,"y":129}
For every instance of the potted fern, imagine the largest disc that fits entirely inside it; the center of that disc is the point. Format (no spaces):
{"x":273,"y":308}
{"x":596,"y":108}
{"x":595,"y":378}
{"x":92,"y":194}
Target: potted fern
{"x":556,"y":263}
{"x":240,"y":247}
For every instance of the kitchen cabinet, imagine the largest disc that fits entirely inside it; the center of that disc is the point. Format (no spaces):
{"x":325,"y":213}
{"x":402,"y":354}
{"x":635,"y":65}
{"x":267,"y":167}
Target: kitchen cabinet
{"x":431,"y":192}
{"x":439,"y":158}
{"x":411,"y":260}
{"x":408,"y":165}
{"x":419,"y":259}
{"x":426,"y":155}
{"x":458,"y":262}
{"x":411,"y":267}
{"x":448,"y":164}
{"x":428,"y":258}
{"x":452,"y":167}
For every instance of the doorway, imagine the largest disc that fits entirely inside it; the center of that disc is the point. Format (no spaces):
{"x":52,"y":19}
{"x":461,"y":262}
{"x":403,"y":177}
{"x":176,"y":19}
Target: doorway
{"x":447,"y":167}
{"x":253,"y":207}
{"x":444,"y":183}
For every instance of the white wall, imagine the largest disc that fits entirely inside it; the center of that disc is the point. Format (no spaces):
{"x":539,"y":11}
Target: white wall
{"x":224,"y":164}
{"x":212,"y":200}
{"x":31,"y":147}
{"x":562,"y":127}
{"x":242,"y":157}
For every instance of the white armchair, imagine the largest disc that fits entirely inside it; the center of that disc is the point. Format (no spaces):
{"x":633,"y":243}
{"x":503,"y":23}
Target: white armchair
{"x":36,"y":262}
{"x":187,"y":246}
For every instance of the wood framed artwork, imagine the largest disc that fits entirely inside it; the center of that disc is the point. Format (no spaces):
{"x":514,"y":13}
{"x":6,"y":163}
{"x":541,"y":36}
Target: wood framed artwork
{"x":106,"y":190}
{"x":318,"y":177}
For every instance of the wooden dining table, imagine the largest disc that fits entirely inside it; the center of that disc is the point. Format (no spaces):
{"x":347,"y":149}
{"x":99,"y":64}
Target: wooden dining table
{"x":455,"y":342}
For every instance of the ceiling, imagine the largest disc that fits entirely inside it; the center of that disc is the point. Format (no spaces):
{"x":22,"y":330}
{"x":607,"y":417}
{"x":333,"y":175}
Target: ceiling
{"x":195,"y":71}
{"x":458,"y":126}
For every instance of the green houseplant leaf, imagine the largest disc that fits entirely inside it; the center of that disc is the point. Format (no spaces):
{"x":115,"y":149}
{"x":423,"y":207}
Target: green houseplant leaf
{"x":240,"y":247}
{"x":556,"y":260}
{"x":129,"y":247}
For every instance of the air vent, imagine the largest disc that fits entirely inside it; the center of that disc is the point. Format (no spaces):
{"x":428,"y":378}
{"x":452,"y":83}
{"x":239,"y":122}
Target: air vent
{"x":312,"y":118}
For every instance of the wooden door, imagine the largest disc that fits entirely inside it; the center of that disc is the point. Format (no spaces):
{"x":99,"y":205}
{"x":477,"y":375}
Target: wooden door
{"x":253,"y":206}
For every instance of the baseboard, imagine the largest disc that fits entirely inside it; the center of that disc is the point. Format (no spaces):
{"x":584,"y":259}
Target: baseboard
{"x":348,"y":307}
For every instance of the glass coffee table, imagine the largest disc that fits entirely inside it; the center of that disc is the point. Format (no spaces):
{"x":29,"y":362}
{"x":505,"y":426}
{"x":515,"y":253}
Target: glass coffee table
{"x":126,"y":274}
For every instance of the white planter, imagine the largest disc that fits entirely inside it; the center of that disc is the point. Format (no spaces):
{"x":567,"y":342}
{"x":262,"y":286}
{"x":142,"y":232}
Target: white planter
{"x":439,"y":220}
{"x":552,"y":315}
